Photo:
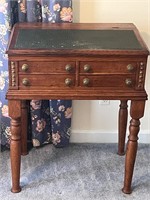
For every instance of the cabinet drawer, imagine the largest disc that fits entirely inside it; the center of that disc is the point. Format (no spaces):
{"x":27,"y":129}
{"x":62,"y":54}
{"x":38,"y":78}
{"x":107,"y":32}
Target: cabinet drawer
{"x":115,"y":81}
{"x":38,"y":67}
{"x":108,"y":67}
{"x":46,"y":82}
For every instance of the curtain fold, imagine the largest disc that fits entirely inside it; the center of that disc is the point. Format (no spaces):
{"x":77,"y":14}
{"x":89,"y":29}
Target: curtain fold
{"x":49,"y":120}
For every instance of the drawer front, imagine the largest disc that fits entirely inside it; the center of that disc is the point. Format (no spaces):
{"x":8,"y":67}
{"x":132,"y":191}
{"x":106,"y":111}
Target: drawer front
{"x":101,"y":74}
{"x":108,"y":67}
{"x":38,"y":67}
{"x":113,"y":81}
{"x":46,"y":81}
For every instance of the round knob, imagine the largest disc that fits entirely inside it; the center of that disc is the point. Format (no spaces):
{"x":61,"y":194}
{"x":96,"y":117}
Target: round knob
{"x":86,"y":81}
{"x":25,"y":67}
{"x":68,"y":67}
{"x":128,"y":82}
{"x":68,"y":81}
{"x":130,"y":67}
{"x":25,"y":82}
{"x":86,"y":67}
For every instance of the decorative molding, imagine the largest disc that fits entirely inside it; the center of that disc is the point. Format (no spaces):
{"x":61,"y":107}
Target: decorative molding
{"x":13,"y":74}
{"x":141,"y":76}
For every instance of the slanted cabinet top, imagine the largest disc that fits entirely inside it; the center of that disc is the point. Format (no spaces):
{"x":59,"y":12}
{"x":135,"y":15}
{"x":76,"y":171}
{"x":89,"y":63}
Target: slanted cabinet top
{"x":47,"y":38}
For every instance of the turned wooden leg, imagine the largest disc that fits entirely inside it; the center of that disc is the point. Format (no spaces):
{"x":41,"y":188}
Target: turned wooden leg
{"x":123,"y":116}
{"x":24,"y":127}
{"x":15,"y":145}
{"x":136,"y":112}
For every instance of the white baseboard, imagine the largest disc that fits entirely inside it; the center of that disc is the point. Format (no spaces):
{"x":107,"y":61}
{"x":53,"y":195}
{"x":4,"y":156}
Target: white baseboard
{"x":85,"y":136}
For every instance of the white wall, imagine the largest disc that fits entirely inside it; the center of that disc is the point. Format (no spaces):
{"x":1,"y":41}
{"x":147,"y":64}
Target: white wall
{"x":91,"y":121}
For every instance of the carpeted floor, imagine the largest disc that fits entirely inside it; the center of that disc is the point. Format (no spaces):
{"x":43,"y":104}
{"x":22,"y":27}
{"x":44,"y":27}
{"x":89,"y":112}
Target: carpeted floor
{"x":78,"y":172}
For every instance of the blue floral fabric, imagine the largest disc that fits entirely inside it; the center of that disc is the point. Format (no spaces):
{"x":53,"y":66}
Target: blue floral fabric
{"x":50,"y":120}
{"x":4,"y":35}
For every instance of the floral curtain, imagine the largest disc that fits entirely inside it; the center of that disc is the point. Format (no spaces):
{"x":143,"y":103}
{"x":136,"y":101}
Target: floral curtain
{"x":49,"y":120}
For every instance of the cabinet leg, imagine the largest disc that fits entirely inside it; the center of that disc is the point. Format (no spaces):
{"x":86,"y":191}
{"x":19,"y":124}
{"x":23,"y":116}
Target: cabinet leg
{"x":136,"y":112}
{"x":24,"y":127}
{"x":15,"y":145}
{"x":123,"y":116}
{"x":131,"y":154}
{"x":15,"y":154}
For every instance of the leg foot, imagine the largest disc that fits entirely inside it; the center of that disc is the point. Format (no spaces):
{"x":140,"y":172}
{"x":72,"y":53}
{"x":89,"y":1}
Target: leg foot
{"x":126,"y":190}
{"x":14,"y":190}
{"x":121,"y":153}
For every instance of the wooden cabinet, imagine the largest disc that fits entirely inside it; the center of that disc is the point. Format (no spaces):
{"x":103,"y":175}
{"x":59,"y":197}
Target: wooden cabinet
{"x":77,"y":61}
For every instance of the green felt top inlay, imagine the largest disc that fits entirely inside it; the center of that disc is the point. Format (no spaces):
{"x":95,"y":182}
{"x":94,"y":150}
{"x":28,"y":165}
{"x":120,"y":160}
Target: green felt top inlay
{"x":77,"y":39}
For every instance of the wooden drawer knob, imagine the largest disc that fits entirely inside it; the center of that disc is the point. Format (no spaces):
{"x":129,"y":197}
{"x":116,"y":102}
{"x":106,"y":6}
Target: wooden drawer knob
{"x":87,"y":68}
{"x":25,"y":82}
{"x":130,"y":67}
{"x":68,"y":81}
{"x":86,"y":81}
{"x":68,"y":67}
{"x":128,"y":82}
{"x":25,"y":67}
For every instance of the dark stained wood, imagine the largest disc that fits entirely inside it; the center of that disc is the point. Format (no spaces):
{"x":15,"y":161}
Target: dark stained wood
{"x":122,"y":124}
{"x":114,"y":74}
{"x":47,"y":67}
{"x":24,"y":127}
{"x":78,"y":94}
{"x":113,"y":67}
{"x":132,"y":144}
{"x":15,"y":145}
